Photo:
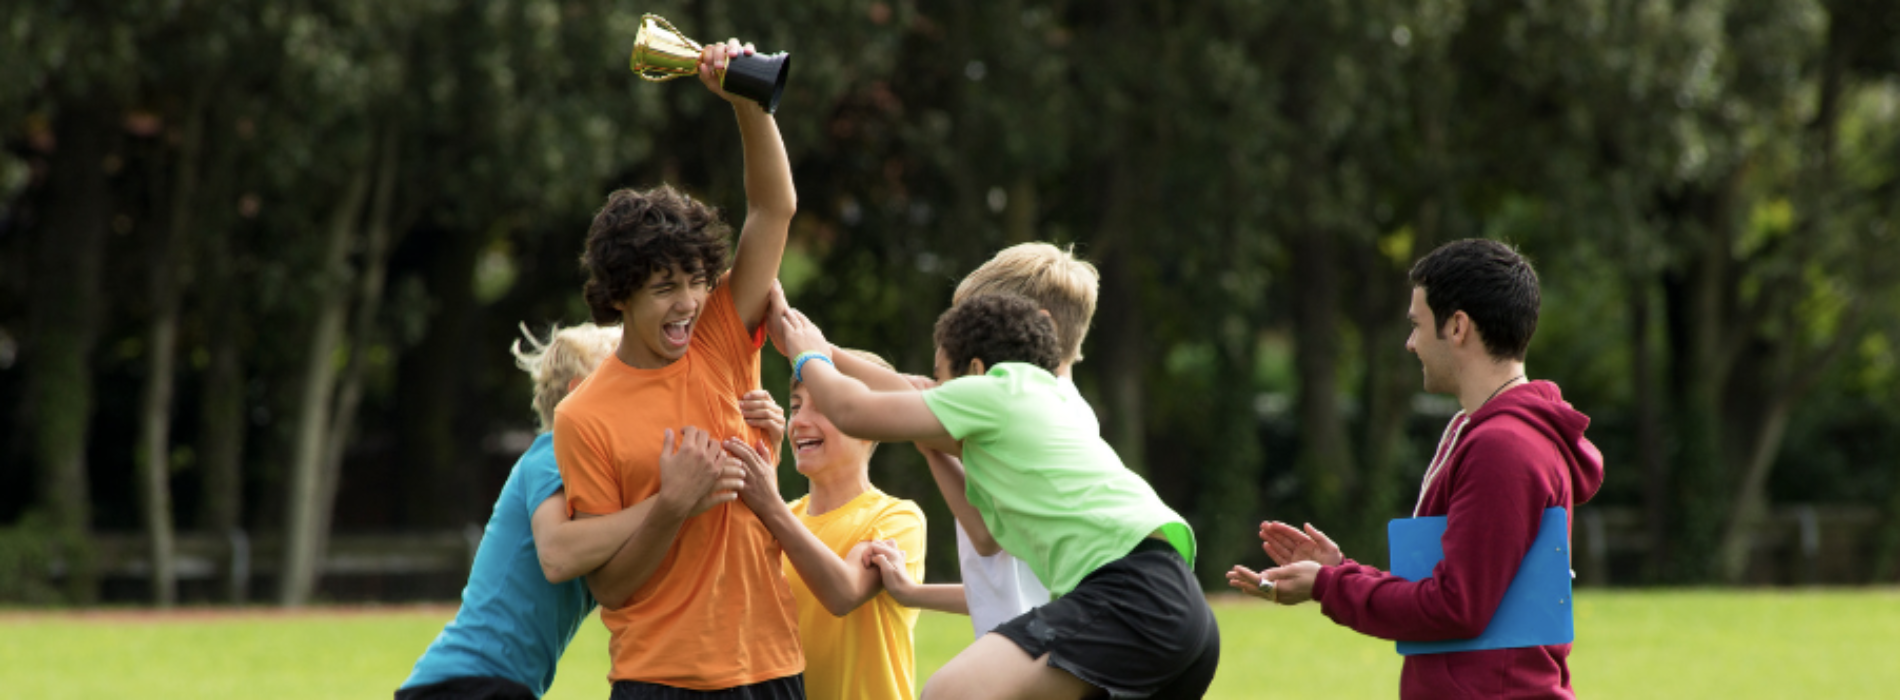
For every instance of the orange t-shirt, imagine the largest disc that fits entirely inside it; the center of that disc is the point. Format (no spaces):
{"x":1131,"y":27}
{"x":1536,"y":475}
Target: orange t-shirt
{"x":718,"y":612}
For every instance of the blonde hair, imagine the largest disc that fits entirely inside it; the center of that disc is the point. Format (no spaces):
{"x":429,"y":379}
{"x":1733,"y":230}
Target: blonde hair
{"x":1053,"y":278}
{"x":569,"y":354}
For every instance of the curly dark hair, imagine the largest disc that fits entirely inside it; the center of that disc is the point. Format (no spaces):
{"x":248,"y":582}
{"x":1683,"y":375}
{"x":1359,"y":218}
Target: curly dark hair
{"x":998,"y":328}
{"x":637,"y":235}
{"x":1491,"y":283}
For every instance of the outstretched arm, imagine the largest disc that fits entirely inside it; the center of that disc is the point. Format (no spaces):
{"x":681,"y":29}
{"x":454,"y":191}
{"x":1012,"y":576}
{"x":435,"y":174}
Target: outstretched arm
{"x":889,"y":560}
{"x":874,"y":377}
{"x":884,"y":416}
{"x":948,"y":473}
{"x":841,"y":585}
{"x":771,"y":199}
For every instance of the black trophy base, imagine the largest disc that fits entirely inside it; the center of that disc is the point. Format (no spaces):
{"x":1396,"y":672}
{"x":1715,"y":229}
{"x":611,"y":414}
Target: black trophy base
{"x":759,"y":77}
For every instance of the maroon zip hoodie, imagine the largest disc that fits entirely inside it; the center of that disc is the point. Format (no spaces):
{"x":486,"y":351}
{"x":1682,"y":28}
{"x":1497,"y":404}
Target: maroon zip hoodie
{"x":1520,"y":453}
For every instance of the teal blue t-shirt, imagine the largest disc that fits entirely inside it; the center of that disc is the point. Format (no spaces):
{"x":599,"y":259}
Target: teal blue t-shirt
{"x":1050,"y":490}
{"x":513,"y":624}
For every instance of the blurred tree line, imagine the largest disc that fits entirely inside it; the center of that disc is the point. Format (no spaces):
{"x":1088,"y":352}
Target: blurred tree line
{"x":259,"y":262}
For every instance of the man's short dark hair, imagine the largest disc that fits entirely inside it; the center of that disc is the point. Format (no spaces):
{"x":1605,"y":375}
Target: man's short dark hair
{"x":1491,"y":283}
{"x":998,"y":328}
{"x":637,"y":235}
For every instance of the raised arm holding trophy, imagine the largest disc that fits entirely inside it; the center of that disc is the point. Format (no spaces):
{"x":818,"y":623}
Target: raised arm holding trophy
{"x":662,"y":53}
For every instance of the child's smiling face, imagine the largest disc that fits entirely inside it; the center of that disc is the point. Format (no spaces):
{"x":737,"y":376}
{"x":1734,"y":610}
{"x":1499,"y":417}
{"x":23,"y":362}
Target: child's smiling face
{"x":816,"y":443}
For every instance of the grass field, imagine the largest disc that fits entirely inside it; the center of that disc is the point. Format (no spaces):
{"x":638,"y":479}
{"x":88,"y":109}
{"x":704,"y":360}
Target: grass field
{"x":1678,"y":644}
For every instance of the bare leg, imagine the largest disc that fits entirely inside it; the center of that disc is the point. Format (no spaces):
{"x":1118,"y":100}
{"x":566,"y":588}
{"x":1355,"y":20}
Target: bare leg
{"x":995,"y":667}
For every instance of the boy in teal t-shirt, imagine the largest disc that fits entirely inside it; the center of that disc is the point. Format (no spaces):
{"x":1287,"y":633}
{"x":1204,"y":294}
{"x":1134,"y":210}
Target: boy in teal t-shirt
{"x":1131,"y":619}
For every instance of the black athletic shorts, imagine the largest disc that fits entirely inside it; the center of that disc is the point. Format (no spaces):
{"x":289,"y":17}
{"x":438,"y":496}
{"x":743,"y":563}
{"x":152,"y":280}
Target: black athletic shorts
{"x":1139,"y":627}
{"x":788,"y":688}
{"x":470,"y":688}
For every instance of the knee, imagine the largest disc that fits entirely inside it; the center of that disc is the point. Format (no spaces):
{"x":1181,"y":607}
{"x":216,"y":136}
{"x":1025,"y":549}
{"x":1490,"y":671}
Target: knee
{"x":944,"y":686}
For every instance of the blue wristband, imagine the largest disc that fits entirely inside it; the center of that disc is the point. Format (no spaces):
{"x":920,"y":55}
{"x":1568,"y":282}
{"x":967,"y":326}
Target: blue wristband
{"x":798,"y":364}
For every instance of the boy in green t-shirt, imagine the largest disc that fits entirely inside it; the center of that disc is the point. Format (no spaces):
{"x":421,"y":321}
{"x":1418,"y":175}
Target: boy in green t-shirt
{"x":1131,"y":619}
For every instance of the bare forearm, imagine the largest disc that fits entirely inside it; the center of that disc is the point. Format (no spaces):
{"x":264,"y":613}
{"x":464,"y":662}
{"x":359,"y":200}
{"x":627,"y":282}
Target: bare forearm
{"x":874,"y":377}
{"x":569,"y":549}
{"x":615,"y":582}
{"x":770,"y":202}
{"x":947,"y":471}
{"x":830,"y":579}
{"x":941,"y":597}
{"x":884,"y":416}
{"x":768,"y":171}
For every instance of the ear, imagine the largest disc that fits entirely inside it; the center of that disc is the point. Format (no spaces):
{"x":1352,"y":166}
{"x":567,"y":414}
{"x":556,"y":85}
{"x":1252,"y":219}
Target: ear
{"x":571,"y":383}
{"x":976,"y":368}
{"x":1458,"y":328}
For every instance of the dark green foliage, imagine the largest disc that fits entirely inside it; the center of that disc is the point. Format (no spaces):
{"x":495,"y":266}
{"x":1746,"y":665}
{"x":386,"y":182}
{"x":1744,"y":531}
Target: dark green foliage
{"x":1708,"y":189}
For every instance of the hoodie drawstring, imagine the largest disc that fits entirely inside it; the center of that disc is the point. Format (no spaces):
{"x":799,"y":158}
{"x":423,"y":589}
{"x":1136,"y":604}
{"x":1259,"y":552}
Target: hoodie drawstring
{"x":1446,"y":443}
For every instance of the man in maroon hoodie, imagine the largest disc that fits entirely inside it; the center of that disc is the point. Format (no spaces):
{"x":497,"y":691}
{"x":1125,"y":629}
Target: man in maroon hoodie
{"x":1514,"y":450}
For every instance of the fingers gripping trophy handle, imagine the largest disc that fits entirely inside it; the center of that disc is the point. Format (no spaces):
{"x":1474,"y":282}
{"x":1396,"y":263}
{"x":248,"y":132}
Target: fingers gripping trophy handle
{"x":758,"y":77}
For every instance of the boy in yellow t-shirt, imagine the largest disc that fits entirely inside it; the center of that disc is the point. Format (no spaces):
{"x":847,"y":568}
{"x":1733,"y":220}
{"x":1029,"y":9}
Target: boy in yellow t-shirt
{"x":857,"y":638}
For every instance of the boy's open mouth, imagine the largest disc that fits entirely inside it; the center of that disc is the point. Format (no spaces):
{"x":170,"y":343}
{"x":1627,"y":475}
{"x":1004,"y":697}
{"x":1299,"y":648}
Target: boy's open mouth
{"x":678,"y":332}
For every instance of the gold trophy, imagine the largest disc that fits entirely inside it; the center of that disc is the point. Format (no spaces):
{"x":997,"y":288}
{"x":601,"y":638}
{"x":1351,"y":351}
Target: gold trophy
{"x":662,"y":53}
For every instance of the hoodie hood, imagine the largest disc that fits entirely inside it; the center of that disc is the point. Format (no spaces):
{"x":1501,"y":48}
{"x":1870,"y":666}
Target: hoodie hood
{"x":1541,"y":405}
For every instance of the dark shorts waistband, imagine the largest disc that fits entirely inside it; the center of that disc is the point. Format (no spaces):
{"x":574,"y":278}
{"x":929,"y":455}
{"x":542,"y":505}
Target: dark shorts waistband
{"x":1150,"y":544}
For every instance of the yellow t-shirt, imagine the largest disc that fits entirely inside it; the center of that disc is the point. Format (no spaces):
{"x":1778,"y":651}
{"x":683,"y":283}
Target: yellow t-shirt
{"x":868,"y":654}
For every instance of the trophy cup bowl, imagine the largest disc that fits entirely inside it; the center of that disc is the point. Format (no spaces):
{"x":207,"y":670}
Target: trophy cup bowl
{"x":662,"y":53}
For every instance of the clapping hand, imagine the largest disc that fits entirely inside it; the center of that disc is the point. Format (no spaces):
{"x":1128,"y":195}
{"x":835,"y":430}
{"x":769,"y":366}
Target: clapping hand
{"x":1288,"y":545}
{"x":1299,"y":553}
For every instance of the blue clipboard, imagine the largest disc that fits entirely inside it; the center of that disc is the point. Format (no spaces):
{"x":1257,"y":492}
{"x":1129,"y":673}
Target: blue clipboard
{"x":1537,"y":608}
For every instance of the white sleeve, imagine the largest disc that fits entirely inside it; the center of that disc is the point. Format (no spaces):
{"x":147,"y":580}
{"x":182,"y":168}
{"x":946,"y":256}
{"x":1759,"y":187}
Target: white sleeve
{"x":998,"y":588}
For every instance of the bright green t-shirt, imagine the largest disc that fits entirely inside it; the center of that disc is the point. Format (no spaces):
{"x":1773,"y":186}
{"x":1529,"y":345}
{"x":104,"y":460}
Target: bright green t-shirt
{"x":1050,"y":490}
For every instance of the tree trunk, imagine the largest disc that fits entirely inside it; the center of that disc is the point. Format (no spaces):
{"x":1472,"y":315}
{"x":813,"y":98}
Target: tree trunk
{"x":221,"y":437}
{"x":1389,"y":386}
{"x":1788,"y":384}
{"x":1750,"y":504}
{"x":1229,"y":499}
{"x":1700,"y":325}
{"x":302,"y":556}
{"x":1121,"y":325}
{"x":1124,"y":355}
{"x":369,"y":297}
{"x":155,"y":424}
{"x":1886,"y":568}
{"x":1325,"y":460}
{"x":1649,"y":446}
{"x":217,"y":292}
{"x":65,"y":320}
{"x":431,"y":386}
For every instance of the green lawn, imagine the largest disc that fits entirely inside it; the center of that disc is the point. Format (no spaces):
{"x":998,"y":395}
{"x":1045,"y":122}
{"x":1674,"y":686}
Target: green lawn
{"x":1688,"y":644}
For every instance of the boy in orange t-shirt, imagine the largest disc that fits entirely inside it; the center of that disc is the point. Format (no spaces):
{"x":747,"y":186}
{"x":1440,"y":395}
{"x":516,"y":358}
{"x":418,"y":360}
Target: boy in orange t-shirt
{"x":696,"y":603}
